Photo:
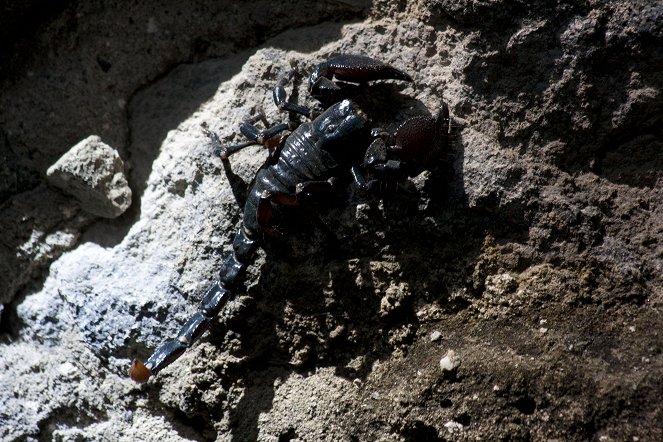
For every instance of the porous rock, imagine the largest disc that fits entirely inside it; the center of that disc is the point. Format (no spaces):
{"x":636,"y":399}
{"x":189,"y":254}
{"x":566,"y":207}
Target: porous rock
{"x":93,"y":173}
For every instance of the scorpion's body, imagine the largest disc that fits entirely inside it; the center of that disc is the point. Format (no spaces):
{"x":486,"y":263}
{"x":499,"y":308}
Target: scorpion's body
{"x":311,"y":157}
{"x":306,"y":156}
{"x":311,"y":153}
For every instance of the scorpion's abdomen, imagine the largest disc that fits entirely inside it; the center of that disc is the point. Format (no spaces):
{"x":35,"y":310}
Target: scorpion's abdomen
{"x":300,"y":160}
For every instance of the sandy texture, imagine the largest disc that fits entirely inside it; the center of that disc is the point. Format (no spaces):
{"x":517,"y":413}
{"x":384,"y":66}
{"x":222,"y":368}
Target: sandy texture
{"x":511,"y":292}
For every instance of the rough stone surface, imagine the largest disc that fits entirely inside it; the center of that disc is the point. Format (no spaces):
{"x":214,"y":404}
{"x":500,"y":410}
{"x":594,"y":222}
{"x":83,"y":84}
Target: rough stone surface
{"x":93,"y":173}
{"x":37,"y":228}
{"x":533,"y":248}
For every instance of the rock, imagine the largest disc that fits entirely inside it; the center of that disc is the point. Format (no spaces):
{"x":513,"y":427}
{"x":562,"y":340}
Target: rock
{"x":450,"y":361}
{"x":93,"y":173}
{"x":547,"y":205}
{"x":453,"y":427}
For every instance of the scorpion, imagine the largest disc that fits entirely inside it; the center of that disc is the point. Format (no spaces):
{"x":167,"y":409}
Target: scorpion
{"x":307,"y":160}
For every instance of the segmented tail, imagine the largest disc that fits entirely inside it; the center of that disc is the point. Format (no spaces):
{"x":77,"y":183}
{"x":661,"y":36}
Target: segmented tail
{"x":217,"y":296}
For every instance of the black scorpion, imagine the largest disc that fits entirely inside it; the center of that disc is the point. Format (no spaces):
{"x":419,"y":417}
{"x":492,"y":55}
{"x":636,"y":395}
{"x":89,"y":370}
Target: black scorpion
{"x":307,"y":161}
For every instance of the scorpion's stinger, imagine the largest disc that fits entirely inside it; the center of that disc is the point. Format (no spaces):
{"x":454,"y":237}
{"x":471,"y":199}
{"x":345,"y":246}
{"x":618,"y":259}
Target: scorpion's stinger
{"x":139,"y":372}
{"x":216,"y":297}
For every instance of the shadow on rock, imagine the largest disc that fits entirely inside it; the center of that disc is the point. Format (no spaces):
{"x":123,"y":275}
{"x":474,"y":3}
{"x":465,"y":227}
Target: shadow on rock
{"x":350,"y":293}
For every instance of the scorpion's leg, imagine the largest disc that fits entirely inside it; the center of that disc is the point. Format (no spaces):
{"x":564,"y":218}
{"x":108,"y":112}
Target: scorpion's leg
{"x":271,"y":137}
{"x":358,"y":177}
{"x":362,"y":182}
{"x":377,"y":161}
{"x":281,"y":97}
{"x":304,"y":189}
{"x":224,"y":151}
{"x":216,"y":297}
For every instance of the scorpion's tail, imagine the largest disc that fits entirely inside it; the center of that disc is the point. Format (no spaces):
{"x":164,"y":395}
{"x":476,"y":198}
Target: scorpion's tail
{"x":216,"y":297}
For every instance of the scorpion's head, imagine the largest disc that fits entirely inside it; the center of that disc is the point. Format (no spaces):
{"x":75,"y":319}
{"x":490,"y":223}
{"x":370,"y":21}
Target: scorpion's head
{"x":341,"y":122}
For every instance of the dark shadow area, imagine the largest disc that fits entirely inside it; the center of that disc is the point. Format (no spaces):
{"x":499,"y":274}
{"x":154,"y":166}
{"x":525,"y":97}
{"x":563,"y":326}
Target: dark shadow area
{"x":239,"y":188}
{"x":26,"y":225}
{"x":19,"y":22}
{"x":420,"y":432}
{"x":320,"y":299}
{"x":636,"y":162}
{"x":16,"y":175}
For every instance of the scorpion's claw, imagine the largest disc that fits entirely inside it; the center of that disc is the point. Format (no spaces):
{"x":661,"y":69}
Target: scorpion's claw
{"x":352,"y":69}
{"x":422,"y":138}
{"x":139,"y":371}
{"x":415,"y":145}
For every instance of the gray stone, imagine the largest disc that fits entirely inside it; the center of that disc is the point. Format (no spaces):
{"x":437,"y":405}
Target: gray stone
{"x":93,"y":173}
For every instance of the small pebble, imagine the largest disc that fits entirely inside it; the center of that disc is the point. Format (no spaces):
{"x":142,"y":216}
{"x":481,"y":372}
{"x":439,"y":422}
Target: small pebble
{"x":449,"y":361}
{"x":453,"y":427}
{"x":67,"y":369}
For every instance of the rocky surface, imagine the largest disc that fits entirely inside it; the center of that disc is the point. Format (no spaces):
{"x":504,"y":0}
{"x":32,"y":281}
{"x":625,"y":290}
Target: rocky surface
{"x":513,"y":291}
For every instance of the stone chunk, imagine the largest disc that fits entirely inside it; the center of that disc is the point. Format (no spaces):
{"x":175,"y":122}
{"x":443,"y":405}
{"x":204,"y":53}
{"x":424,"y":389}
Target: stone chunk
{"x":93,"y":173}
{"x":450,"y":361}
